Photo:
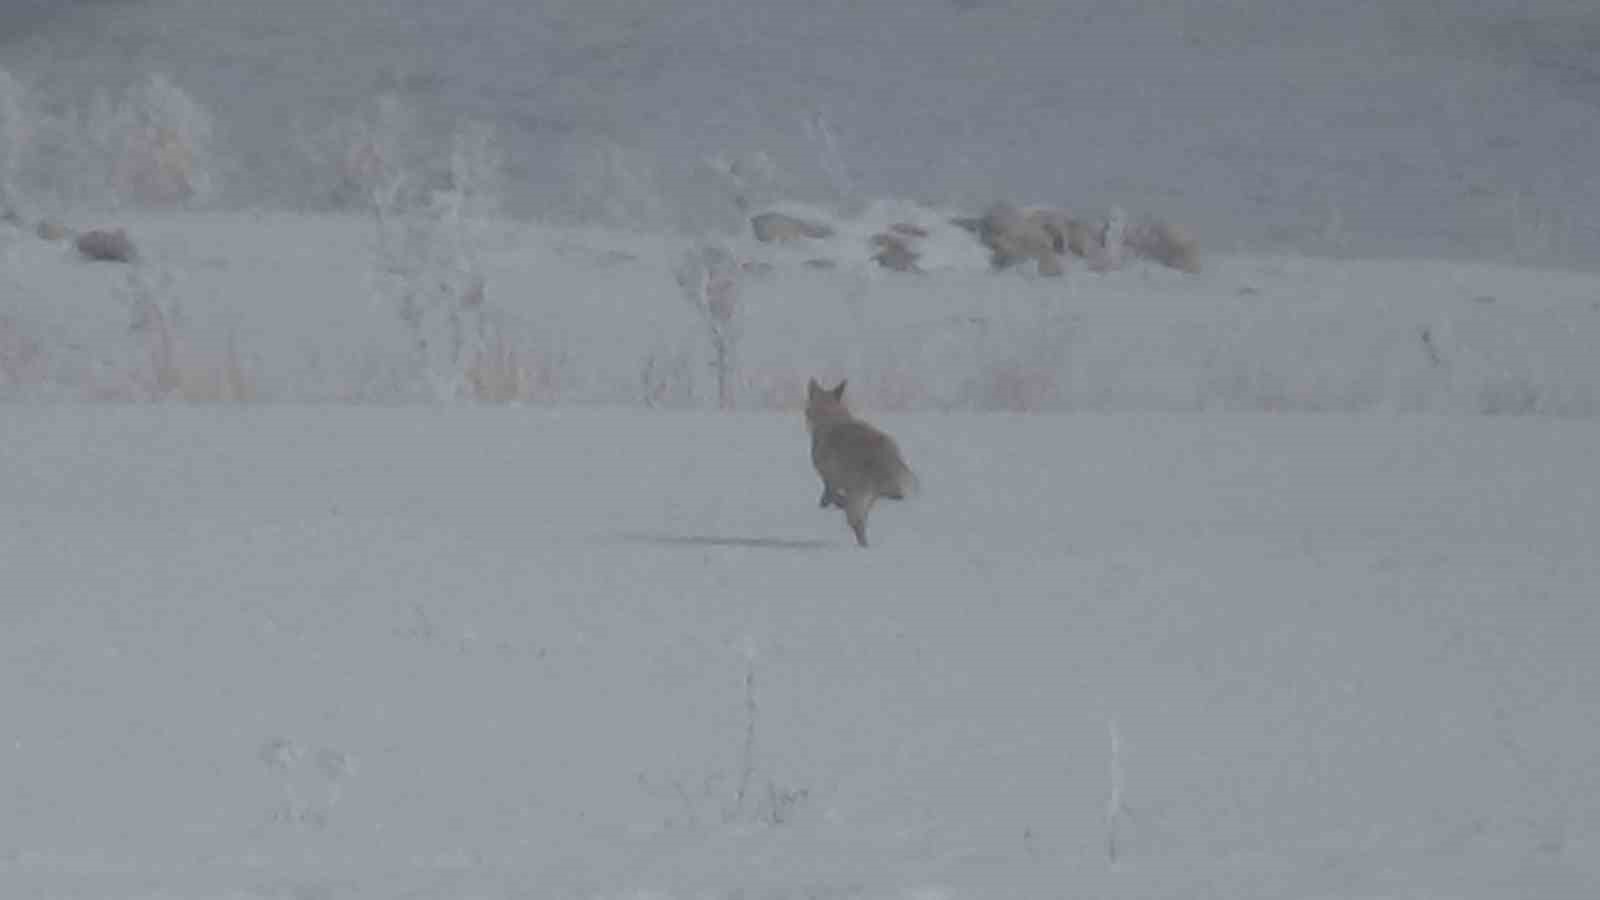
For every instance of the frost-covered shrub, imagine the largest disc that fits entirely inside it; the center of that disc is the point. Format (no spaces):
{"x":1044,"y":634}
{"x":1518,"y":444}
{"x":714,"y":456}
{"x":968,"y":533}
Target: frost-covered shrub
{"x":20,"y":356}
{"x":369,"y":162}
{"x":151,"y":147}
{"x":430,"y":231}
{"x":155,"y":146}
{"x":497,"y":370}
{"x":748,"y":179}
{"x":709,"y":280}
{"x":476,"y":172}
{"x":666,"y":378}
{"x":432,"y":205}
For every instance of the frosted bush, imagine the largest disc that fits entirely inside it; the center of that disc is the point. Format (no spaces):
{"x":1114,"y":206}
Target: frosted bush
{"x":378,"y":158}
{"x":429,"y":275}
{"x":708,"y":279}
{"x":476,"y":167}
{"x":428,"y":261}
{"x":375,"y":161}
{"x":498,"y":371}
{"x":666,"y":378}
{"x":748,"y":179}
{"x":821,"y":134}
{"x":151,"y":147}
{"x":20,"y":354}
{"x":156,"y":145}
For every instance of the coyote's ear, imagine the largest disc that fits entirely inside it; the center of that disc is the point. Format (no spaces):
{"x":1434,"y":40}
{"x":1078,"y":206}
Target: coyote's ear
{"x":838,"y":392}
{"x":813,"y":390}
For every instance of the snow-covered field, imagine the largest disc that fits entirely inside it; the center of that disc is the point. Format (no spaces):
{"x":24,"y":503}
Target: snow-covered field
{"x":273,"y":646}
{"x":281,"y":307}
{"x":330,"y":652}
{"x":376,"y":532}
{"x":319,"y":627}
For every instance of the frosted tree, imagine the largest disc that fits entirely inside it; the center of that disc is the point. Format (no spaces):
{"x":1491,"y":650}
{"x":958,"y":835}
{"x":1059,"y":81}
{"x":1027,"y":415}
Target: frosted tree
{"x":428,"y":261}
{"x":831,"y":160}
{"x":709,"y":280}
{"x":476,"y":167}
{"x":749,"y":179}
{"x":375,"y":163}
{"x":155,"y":145}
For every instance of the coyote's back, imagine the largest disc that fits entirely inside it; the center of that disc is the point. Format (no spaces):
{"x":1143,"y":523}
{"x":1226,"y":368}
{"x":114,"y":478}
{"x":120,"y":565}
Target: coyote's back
{"x":857,"y":462}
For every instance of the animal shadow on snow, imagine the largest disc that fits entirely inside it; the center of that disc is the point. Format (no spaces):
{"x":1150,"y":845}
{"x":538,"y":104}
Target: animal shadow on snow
{"x":662,"y":539}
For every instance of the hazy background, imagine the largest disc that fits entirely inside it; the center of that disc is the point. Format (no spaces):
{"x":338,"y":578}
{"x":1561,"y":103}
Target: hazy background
{"x":282,"y":617}
{"x":1327,"y":126}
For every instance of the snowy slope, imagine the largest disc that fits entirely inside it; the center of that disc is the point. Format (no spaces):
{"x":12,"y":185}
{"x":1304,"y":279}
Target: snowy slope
{"x":293,"y":304}
{"x":434,"y":653}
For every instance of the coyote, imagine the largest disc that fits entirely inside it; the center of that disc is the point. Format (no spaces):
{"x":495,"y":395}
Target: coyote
{"x":858,"y":463}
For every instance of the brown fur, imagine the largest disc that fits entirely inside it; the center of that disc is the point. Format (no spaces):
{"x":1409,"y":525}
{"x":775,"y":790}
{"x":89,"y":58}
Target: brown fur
{"x":857,"y":462}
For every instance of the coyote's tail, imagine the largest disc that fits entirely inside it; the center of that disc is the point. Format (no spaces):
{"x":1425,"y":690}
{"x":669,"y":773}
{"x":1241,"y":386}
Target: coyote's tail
{"x":905,"y":484}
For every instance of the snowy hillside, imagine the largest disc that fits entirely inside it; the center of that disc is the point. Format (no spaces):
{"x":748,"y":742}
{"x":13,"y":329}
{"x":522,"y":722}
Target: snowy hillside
{"x":302,"y":308}
{"x":364,"y":653}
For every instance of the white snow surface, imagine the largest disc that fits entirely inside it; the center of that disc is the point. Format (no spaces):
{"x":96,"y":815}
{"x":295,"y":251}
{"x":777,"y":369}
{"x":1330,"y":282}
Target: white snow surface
{"x":337,"y":567}
{"x":293,"y":307}
{"x":339,"y":651}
